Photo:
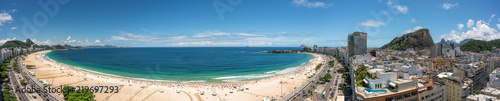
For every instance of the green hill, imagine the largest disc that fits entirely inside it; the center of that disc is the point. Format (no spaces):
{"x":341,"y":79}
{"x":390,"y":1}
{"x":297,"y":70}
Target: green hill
{"x":419,"y":39}
{"x":15,"y":43}
{"x":59,"y":47}
{"x":479,"y":45}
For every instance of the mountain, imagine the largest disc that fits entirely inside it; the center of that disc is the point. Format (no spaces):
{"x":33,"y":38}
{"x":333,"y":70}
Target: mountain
{"x":28,"y":41}
{"x":59,"y":47}
{"x":448,"y":42}
{"x":15,"y":43}
{"x":418,"y":39}
{"x":67,"y":46}
{"x":479,"y":45}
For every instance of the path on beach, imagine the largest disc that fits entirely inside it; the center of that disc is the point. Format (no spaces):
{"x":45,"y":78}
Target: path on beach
{"x":198,"y":97}
{"x":136,"y":94}
{"x":190,"y":98}
{"x":150,"y":95}
{"x":113,"y":93}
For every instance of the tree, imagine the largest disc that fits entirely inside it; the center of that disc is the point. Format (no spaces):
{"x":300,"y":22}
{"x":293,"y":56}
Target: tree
{"x":374,"y":76}
{"x":5,"y":85}
{"x":341,"y":85}
{"x":80,"y":95}
{"x":478,"y":91}
{"x":67,"y":90}
{"x":4,"y":75}
{"x":23,"y":82}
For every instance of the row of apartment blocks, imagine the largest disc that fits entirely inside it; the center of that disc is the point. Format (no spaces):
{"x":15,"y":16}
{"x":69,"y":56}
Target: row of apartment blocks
{"x":439,"y":73}
{"x":450,"y":76}
{"x":6,"y":53}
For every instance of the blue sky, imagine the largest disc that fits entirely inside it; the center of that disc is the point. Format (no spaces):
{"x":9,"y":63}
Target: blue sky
{"x":220,"y":23}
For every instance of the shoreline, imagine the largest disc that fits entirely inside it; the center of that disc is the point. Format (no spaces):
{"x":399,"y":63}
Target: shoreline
{"x":268,"y":87}
{"x":295,"y":68}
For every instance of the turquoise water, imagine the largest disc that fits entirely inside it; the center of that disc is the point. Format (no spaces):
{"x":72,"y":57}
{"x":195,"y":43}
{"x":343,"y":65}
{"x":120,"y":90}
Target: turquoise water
{"x":212,"y":64}
{"x":375,"y":91}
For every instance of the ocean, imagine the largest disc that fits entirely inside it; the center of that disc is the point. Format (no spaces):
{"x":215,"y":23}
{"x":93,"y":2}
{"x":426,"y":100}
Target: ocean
{"x":186,"y":64}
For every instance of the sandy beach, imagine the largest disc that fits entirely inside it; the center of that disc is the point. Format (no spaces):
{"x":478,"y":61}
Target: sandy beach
{"x":141,"y":90}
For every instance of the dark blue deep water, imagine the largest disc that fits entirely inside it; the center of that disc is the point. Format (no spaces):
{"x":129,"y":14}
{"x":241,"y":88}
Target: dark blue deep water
{"x":193,"y":64}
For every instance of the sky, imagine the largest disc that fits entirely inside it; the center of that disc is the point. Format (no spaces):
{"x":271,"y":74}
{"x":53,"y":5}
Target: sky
{"x":239,"y":23}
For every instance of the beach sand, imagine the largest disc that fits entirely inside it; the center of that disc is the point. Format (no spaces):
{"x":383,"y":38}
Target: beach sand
{"x":132,"y":89}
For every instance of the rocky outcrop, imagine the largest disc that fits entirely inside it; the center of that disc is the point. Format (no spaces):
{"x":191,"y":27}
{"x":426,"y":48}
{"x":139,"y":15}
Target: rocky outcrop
{"x":419,"y":39}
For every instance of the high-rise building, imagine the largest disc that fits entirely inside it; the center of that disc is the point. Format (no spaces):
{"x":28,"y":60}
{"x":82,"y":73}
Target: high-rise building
{"x":315,"y":48}
{"x":357,"y":43}
{"x":436,"y":50}
{"x":457,"y":89}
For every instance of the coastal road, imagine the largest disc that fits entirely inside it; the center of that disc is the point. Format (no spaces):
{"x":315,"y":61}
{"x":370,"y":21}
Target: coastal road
{"x":33,"y":81}
{"x":15,"y":83}
{"x":298,"y":93}
{"x":329,"y":85}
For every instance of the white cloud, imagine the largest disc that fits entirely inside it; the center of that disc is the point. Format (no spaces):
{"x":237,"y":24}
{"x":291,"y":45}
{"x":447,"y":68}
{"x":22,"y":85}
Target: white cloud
{"x":7,"y":39}
{"x":498,"y":26}
{"x":479,"y":32}
{"x":12,"y":28}
{"x":204,"y":36}
{"x":216,"y":38}
{"x":212,"y":43}
{"x":371,"y":23}
{"x":447,"y":6}
{"x":460,"y":26}
{"x":401,"y":8}
{"x":470,"y":23}
{"x":411,"y":30}
{"x":63,"y":42}
{"x":97,"y":41}
{"x":413,"y":20}
{"x":493,"y":15}
{"x":69,"y":37}
{"x":5,"y":17}
{"x":13,"y":10}
{"x":308,"y":4}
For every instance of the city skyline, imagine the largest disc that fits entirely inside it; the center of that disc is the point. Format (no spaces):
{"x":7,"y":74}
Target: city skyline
{"x":286,"y":23}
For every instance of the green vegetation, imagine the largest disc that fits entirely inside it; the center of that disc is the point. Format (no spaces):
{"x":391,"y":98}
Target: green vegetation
{"x":7,"y":96}
{"x":331,"y":63}
{"x":30,"y":66}
{"x":4,"y":75}
{"x":374,"y":76}
{"x":5,"y":85}
{"x":46,"y":47}
{"x":361,"y":73}
{"x":70,"y":94}
{"x":326,"y":77}
{"x":477,"y":91}
{"x":342,"y":85}
{"x":319,"y":66}
{"x":15,"y":43}
{"x":16,"y":67}
{"x":59,"y":47}
{"x":479,"y":45}
{"x":24,"y":82}
{"x":342,"y":70}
